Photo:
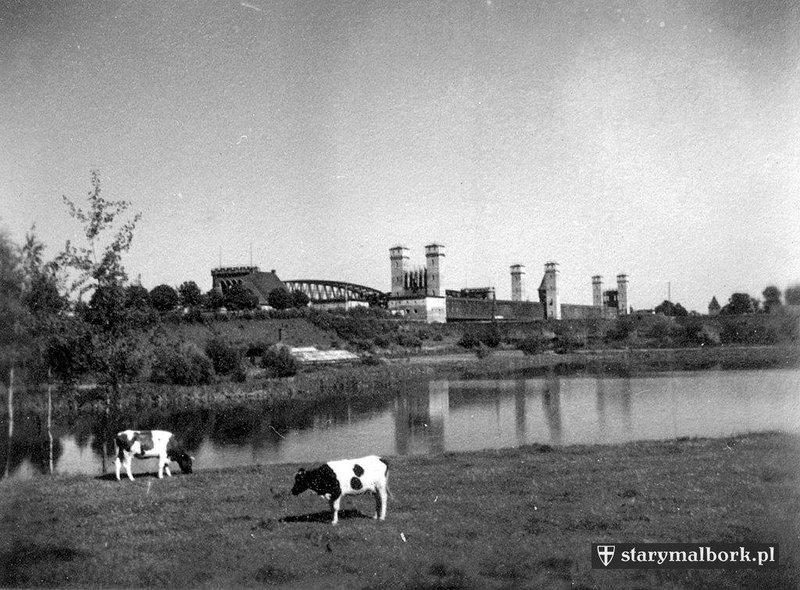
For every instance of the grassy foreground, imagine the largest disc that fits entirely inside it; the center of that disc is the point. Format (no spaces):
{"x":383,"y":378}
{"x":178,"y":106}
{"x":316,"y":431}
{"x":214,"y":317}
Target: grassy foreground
{"x":495,"y":519}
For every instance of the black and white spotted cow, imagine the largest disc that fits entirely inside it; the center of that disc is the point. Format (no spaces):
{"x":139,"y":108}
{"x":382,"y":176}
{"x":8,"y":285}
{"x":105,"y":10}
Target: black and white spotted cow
{"x":347,"y":477}
{"x":150,"y":444}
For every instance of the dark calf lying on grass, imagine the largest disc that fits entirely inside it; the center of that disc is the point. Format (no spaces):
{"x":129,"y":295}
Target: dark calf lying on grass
{"x":149,"y":444}
{"x":347,"y":477}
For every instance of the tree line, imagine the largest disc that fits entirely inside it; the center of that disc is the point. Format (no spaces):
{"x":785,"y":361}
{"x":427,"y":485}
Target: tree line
{"x":740,"y":303}
{"x":79,"y":313}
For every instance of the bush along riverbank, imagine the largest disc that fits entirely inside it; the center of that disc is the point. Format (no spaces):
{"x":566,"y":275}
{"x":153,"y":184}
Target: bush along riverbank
{"x":517,"y":518}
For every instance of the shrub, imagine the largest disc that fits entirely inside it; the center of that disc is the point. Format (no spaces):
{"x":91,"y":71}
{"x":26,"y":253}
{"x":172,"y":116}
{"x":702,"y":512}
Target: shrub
{"x":469,"y":340}
{"x":257,"y":349}
{"x":483,"y":351}
{"x":661,"y":327}
{"x":279,"y":362}
{"x":225,"y":357}
{"x":408,"y":340}
{"x":382,"y":341}
{"x":185,"y":364}
{"x":566,"y":343}
{"x":279,"y":298}
{"x":620,"y":329}
{"x":371,"y":360}
{"x":533,"y":344}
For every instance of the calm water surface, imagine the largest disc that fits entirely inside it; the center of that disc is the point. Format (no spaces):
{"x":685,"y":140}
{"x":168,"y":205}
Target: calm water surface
{"x":441,"y":416}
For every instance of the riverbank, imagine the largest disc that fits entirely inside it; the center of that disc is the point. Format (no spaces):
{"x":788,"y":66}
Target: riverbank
{"x":383,"y":376}
{"x":495,"y":519}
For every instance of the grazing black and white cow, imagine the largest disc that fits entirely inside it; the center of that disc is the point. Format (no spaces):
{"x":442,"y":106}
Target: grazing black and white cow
{"x":347,"y":477}
{"x":149,"y":444}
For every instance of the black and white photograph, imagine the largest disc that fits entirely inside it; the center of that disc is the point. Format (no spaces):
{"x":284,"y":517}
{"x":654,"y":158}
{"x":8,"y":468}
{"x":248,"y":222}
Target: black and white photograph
{"x":404,"y":294}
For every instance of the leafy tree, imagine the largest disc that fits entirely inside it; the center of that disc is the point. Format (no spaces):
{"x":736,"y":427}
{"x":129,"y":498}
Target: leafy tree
{"x":772,"y":297}
{"x":97,"y":266}
{"x":792,"y":295}
{"x":713,"y":306}
{"x":668,"y":308}
{"x":184,"y":364}
{"x":739,"y":303}
{"x":226,"y":357}
{"x":98,"y":263}
{"x":279,"y":298}
{"x":190,"y":294}
{"x":164,"y":298}
{"x":137,"y":297}
{"x":279,"y":362}
{"x":11,"y":307}
{"x":240,"y":297}
{"x":299,"y":299}
{"x":213,"y":299}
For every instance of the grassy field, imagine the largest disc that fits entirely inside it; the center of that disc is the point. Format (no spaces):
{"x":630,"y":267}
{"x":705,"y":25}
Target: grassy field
{"x":497,"y":519}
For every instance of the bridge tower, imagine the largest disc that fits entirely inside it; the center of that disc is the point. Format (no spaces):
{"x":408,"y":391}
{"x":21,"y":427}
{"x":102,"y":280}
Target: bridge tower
{"x":622,"y":294}
{"x":552,"y":299}
{"x":517,"y":287}
{"x":434,"y":257}
{"x":597,"y":291}
{"x":399,"y":261}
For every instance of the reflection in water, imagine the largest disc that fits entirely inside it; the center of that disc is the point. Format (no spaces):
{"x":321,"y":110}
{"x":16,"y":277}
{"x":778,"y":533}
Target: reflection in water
{"x":426,"y":417}
{"x":551,"y":405}
{"x":519,"y":411}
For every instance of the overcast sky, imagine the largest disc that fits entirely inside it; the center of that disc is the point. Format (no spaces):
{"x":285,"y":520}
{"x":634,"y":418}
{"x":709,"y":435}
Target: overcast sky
{"x":660,"y":139}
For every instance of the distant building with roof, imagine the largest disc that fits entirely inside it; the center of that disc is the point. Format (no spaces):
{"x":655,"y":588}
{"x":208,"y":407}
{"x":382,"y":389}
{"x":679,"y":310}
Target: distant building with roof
{"x":260,"y":283}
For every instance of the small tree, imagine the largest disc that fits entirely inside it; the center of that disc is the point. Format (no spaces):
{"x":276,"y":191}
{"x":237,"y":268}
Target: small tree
{"x":190,"y":294}
{"x":792,"y":295}
{"x":184,"y":364}
{"x":224,"y":355}
{"x":668,"y":308}
{"x":772,"y":298}
{"x":299,"y":299}
{"x":713,"y":306}
{"x":279,"y":362}
{"x":240,"y":297}
{"x":97,"y":266}
{"x":213,"y":300}
{"x":137,"y":297}
{"x":739,"y":303}
{"x":279,"y":298}
{"x":164,"y":298}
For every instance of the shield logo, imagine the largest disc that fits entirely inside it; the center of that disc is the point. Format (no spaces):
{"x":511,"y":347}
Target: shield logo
{"x":606,"y":553}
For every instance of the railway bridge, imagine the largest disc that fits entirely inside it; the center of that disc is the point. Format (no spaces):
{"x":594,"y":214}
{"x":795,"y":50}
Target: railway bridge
{"x":319,"y":291}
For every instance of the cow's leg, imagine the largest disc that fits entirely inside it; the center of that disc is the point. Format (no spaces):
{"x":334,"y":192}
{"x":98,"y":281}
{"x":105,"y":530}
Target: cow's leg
{"x":383,"y":498}
{"x":128,"y":461}
{"x":335,"y":505}
{"x":377,"y":497}
{"x":164,"y":460}
{"x":161,"y":465}
{"x":117,"y":465}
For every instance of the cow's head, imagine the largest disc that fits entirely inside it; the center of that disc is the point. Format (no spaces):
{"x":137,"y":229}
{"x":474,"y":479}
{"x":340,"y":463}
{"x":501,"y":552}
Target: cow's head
{"x":301,"y":482}
{"x":184,"y":461}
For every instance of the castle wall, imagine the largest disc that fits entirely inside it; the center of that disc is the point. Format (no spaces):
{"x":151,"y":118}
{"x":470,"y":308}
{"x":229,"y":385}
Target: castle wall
{"x":571,"y":311}
{"x":462,"y":309}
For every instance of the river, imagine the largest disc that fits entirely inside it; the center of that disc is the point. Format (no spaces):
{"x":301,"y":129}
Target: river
{"x":432,"y":417}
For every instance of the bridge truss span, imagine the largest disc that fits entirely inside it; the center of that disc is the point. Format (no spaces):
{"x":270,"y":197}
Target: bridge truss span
{"x":319,"y":291}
